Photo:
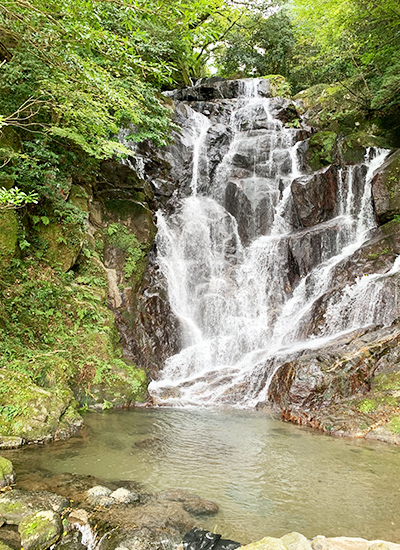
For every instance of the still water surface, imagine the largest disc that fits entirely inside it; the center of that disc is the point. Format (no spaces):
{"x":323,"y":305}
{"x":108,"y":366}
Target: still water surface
{"x":267,"y":477}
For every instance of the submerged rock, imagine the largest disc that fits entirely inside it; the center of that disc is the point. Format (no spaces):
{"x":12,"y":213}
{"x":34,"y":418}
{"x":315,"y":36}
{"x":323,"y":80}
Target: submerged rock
{"x":192,"y":503}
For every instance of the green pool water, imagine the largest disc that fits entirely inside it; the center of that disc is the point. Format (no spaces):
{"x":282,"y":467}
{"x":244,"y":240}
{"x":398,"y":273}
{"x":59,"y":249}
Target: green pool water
{"x":268,"y":478}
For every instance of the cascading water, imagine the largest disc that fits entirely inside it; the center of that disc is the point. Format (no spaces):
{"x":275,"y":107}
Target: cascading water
{"x":226,"y":255}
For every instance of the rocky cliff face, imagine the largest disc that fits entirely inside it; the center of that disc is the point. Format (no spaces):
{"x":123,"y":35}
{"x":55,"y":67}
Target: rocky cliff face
{"x":273,"y":164}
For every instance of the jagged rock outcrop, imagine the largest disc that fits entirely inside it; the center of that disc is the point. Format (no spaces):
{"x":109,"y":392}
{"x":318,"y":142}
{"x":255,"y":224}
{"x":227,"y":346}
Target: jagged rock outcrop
{"x":386,"y":189}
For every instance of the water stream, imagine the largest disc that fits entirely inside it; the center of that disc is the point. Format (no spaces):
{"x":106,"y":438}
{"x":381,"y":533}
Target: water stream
{"x":224,"y":254}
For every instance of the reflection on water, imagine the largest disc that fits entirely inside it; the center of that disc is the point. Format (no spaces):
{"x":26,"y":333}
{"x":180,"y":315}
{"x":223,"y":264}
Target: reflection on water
{"x":268,"y":478}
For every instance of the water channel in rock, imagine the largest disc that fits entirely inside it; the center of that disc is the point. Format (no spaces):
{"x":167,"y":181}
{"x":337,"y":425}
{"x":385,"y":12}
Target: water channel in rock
{"x":268,"y":478}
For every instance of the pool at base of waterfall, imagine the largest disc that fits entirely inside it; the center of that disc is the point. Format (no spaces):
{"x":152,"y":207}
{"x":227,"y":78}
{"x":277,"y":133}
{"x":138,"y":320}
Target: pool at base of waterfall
{"x":268,"y":478}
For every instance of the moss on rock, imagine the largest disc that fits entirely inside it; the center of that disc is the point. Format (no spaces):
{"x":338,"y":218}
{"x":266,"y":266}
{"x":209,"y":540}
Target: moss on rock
{"x":8,"y":237}
{"x":40,"y":531}
{"x":386,"y":189}
{"x":7,"y":475}
{"x":62,"y":243}
{"x":31,"y":412}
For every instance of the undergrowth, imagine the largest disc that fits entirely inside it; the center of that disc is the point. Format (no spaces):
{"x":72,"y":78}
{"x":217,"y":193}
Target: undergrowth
{"x":56,"y":329}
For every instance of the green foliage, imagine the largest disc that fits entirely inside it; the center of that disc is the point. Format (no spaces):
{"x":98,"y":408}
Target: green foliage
{"x":56,"y":331}
{"x":338,"y":40}
{"x":367,"y":405}
{"x":258,"y":46}
{"x":135,"y":254}
{"x":15,"y":198}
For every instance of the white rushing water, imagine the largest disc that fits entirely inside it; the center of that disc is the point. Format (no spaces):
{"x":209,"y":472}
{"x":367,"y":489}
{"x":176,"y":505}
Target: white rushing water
{"x":228,"y":275}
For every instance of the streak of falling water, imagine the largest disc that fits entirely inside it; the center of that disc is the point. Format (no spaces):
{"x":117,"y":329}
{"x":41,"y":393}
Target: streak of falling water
{"x":239,"y":312}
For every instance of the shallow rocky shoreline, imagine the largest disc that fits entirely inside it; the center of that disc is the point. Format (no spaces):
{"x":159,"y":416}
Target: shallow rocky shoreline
{"x":39,"y":510}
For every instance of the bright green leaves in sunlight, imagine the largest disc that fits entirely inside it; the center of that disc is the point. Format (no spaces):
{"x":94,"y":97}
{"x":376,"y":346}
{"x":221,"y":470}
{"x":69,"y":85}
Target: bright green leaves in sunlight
{"x":353,"y":38}
{"x":15,"y":198}
{"x":76,"y":58}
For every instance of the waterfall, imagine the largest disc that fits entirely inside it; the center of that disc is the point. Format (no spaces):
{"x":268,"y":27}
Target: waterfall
{"x":227,"y":252}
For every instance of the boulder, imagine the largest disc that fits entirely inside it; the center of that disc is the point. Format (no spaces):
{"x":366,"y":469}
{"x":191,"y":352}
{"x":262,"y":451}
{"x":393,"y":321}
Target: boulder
{"x":7,"y":474}
{"x":16,"y":505}
{"x":199,"y":539}
{"x":267,"y":543}
{"x":40,"y":531}
{"x":38,"y":414}
{"x":296,"y":541}
{"x":98,"y":495}
{"x":124,"y":496}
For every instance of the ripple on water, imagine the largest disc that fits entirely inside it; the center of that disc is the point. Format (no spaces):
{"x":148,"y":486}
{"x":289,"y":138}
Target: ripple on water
{"x":268,"y":478}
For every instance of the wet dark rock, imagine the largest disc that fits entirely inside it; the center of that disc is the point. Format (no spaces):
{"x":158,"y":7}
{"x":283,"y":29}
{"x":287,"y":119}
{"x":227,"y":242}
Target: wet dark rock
{"x":72,"y":541}
{"x":288,"y":114}
{"x":386,"y":189}
{"x":200,"y":539}
{"x":315,"y":197}
{"x":208,"y":89}
{"x":332,"y":388}
{"x":310,"y":247}
{"x":239,"y":206}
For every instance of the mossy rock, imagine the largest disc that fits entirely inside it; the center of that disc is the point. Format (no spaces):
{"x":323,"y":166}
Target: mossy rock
{"x":4,"y":546}
{"x":353,"y":147}
{"x":337,"y":108}
{"x":40,"y":531}
{"x":113,"y":384}
{"x":33,"y":413}
{"x":62,"y":243}
{"x":78,"y":196}
{"x":135,"y":216}
{"x":16,"y":505}
{"x":322,"y":150}
{"x":8,"y":237}
{"x":7,"y":475}
{"x":386,"y":381}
